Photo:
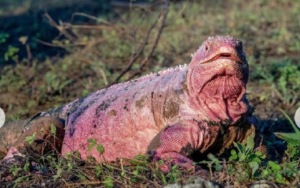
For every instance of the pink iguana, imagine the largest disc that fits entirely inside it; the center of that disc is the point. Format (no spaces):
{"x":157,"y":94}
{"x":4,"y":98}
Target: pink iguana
{"x":173,"y":114}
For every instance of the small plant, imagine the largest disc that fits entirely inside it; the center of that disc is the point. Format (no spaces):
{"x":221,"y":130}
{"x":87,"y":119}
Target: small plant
{"x":245,"y":161}
{"x":93,"y":143}
{"x":11,"y":53}
{"x":282,"y":78}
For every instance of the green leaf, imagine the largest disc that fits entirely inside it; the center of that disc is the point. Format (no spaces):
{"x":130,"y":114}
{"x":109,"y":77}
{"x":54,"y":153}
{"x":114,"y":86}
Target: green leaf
{"x":233,"y":152}
{"x":141,"y":157}
{"x":100,"y":148}
{"x":240,"y":147}
{"x":265,"y":172}
{"x":91,"y":146}
{"x":256,"y":159}
{"x":135,"y":172}
{"x":293,"y":138}
{"x":70,"y":167}
{"x":292,"y":123}
{"x":136,"y":162}
{"x":98,"y":170}
{"x":250,"y":143}
{"x":254,"y":166}
{"x":280,"y":179}
{"x":174,"y":167}
{"x":242,"y":157}
{"x":58,"y":173}
{"x":108,"y":182}
{"x":42,"y":131}
{"x":218,"y":167}
{"x":90,"y":140}
{"x":232,"y":158}
{"x":53,"y":129}
{"x":213,"y":158}
{"x":19,"y":179}
{"x":26,"y":166}
{"x":82,"y":177}
{"x":274,"y":166}
{"x":30,"y":139}
{"x":14,"y":170}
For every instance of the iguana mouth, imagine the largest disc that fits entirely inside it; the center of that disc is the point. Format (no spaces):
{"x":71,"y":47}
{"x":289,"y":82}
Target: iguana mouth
{"x":225,"y":72}
{"x":224,"y":52}
{"x":227,"y":56}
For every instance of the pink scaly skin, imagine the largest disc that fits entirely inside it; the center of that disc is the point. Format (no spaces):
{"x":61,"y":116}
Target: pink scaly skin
{"x":171,"y":114}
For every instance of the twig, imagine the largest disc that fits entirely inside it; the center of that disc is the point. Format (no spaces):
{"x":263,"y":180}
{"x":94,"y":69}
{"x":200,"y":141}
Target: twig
{"x":92,"y":43}
{"x":63,"y":46}
{"x":49,"y":44}
{"x":140,"y":51}
{"x":103,"y":76}
{"x":68,"y":26}
{"x":29,"y":55}
{"x":162,"y":19}
{"x":89,"y":16}
{"x":60,"y":28}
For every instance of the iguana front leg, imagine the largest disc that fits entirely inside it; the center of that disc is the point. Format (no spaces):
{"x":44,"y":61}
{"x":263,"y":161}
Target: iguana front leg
{"x":176,"y":143}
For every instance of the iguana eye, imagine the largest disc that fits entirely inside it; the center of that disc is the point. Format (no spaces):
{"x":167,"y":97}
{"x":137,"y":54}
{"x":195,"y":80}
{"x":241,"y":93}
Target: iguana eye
{"x":206,"y":48}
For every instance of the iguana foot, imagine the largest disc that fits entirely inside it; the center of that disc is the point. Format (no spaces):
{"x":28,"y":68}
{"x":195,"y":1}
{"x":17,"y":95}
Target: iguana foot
{"x":45,"y":134}
{"x":13,"y":158}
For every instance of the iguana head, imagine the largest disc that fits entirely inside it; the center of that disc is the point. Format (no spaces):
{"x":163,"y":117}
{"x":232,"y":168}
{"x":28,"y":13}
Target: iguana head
{"x":217,"y":78}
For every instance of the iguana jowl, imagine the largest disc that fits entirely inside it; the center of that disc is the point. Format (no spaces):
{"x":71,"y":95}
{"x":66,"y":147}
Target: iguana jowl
{"x":173,"y":114}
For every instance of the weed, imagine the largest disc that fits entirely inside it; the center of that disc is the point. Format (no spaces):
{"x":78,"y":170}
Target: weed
{"x":245,"y":161}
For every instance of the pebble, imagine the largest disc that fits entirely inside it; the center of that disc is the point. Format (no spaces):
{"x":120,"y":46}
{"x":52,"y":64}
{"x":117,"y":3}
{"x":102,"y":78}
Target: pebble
{"x":195,"y":182}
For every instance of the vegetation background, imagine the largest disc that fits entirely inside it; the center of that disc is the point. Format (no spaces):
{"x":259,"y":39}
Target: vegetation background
{"x":54,"y":51}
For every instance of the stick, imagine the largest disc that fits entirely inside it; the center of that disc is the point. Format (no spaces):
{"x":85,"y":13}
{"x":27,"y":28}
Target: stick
{"x":163,"y":17}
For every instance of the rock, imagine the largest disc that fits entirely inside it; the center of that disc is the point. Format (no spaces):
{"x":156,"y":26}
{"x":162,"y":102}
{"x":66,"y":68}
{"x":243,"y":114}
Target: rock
{"x":194,"y":182}
{"x":297,"y":117}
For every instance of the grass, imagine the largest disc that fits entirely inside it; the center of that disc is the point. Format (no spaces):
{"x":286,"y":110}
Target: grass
{"x":100,"y":47}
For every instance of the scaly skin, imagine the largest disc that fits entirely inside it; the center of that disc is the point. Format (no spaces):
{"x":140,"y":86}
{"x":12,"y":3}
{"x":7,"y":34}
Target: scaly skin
{"x":173,"y":114}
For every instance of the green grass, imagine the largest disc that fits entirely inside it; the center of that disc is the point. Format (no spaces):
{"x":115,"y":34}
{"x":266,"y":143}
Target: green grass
{"x":270,"y":34}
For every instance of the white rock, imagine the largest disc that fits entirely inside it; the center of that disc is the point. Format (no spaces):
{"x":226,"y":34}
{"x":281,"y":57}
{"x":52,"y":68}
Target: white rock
{"x":297,"y":117}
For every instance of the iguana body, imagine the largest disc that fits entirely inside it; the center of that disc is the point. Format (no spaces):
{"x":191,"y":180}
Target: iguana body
{"x":171,"y":114}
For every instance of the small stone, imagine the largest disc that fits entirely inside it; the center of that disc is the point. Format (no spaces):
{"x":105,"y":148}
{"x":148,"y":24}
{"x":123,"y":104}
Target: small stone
{"x":297,"y":117}
{"x":194,"y":182}
{"x":260,"y":185}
